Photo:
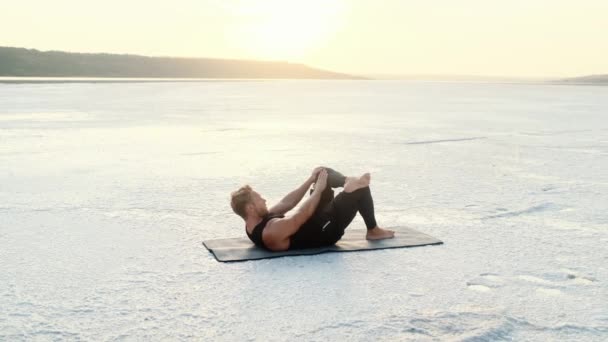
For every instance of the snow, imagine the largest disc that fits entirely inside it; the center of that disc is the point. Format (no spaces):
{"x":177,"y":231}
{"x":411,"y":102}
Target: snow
{"x":107,"y":190}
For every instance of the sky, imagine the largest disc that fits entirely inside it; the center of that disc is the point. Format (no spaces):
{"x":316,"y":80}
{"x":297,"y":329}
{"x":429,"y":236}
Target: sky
{"x":515,"y":38}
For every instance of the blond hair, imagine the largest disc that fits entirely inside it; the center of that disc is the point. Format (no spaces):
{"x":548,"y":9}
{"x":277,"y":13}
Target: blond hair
{"x":239,"y":200}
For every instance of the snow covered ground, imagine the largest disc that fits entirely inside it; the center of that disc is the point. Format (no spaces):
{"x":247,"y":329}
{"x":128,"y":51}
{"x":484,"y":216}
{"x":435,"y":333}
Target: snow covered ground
{"x":107,"y":190}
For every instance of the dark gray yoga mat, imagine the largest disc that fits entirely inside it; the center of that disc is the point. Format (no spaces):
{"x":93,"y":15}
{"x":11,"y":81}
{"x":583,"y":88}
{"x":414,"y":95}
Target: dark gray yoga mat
{"x":242,"y":249}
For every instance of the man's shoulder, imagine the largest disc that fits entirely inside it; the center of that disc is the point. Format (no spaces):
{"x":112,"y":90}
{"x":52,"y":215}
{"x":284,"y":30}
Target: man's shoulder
{"x":273,"y":215}
{"x":273,"y":235}
{"x":273,"y":219}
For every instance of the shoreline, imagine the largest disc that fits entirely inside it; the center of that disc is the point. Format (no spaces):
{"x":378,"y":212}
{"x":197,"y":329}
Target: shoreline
{"x":57,"y":80}
{"x":34,"y":80}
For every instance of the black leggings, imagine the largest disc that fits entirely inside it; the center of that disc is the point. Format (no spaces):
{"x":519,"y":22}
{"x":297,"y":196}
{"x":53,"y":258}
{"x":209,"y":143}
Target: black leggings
{"x":337,"y":213}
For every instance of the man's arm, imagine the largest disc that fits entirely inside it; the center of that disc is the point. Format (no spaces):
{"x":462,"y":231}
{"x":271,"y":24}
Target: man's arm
{"x":293,"y":198}
{"x":278,"y":231}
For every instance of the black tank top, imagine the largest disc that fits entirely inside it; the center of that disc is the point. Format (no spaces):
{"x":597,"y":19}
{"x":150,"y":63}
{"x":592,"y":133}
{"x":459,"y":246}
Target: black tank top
{"x":256,"y":233}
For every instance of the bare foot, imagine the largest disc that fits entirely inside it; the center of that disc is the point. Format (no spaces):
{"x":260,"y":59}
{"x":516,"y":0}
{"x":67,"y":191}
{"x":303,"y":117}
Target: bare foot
{"x":354,"y":183}
{"x":365,"y":179}
{"x":379,"y":234}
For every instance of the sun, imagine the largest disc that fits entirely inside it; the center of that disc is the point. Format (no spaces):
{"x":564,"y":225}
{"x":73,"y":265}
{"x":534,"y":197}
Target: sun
{"x":285,"y":29}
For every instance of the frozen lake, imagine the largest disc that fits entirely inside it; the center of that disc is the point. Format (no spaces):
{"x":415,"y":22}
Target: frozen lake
{"x":107,"y":190}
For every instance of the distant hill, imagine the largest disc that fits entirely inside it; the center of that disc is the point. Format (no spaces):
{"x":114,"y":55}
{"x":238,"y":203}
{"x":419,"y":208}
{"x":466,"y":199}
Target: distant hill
{"x":596,"y":79}
{"x":453,"y":77}
{"x":20,"y":62}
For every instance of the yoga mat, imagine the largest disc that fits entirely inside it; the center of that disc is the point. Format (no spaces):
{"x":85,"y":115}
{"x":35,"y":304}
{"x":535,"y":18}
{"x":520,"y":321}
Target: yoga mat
{"x":242,"y":249}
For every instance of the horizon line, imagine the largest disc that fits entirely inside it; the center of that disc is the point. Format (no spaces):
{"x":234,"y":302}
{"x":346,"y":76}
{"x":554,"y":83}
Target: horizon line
{"x":373,"y":75}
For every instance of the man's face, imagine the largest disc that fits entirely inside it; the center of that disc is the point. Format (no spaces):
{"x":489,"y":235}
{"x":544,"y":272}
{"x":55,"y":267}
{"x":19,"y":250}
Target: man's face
{"x":259,"y":204}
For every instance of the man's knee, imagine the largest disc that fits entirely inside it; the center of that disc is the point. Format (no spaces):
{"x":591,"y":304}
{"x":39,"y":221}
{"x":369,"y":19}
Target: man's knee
{"x":334,"y":178}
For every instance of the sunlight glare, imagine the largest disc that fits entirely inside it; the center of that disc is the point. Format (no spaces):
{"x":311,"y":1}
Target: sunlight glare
{"x":285,"y":29}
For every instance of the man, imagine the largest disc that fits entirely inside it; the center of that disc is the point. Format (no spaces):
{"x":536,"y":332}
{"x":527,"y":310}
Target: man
{"x":319,"y":221}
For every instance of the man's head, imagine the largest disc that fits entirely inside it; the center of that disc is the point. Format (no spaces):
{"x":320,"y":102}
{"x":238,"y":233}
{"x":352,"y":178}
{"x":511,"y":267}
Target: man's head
{"x":246,"y":202}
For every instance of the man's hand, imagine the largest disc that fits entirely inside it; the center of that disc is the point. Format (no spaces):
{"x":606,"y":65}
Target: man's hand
{"x":315,"y":173}
{"x":321,"y":180}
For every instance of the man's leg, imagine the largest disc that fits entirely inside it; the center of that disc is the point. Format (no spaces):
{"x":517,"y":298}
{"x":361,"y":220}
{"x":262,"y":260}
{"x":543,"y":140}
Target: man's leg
{"x":334,"y":180}
{"x":347,"y":204}
{"x":365,"y":206}
{"x":356,"y":197}
{"x":312,"y":233}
